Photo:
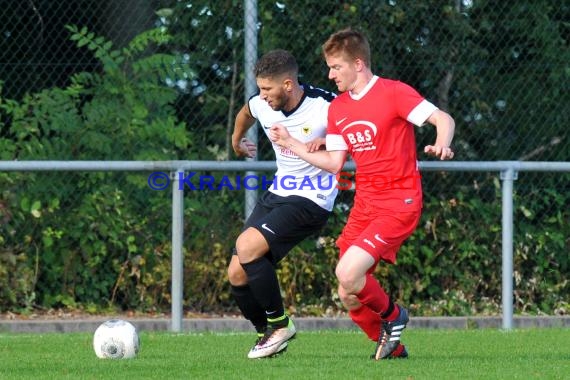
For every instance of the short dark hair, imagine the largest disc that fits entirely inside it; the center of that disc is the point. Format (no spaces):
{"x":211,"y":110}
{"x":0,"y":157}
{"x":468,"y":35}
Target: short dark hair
{"x":276,"y":63}
{"x":351,"y":43}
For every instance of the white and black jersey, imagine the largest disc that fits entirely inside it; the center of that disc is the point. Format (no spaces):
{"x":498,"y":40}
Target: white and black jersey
{"x":306,"y":122}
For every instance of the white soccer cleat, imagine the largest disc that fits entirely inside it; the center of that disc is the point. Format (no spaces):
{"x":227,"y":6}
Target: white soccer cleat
{"x":273,"y":342}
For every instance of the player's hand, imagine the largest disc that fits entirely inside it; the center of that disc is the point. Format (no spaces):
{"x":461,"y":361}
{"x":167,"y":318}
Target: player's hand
{"x":246,"y":148}
{"x":442,"y":152}
{"x":278,"y":134}
{"x":316,"y":144}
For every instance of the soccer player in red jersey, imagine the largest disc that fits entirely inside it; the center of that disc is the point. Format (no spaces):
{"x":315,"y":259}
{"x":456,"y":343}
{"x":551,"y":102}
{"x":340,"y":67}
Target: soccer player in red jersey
{"x":373,"y":120}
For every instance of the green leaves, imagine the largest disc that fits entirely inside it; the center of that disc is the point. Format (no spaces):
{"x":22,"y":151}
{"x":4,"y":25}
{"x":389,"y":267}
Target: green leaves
{"x":88,"y":237}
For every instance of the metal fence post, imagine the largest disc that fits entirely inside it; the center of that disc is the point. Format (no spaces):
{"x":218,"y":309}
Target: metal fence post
{"x":177,"y":251}
{"x":507,"y":176}
{"x":250,"y":37}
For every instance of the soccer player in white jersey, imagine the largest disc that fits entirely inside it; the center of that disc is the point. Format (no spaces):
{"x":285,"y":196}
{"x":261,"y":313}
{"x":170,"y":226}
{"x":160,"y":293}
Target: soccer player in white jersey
{"x":297,"y":204}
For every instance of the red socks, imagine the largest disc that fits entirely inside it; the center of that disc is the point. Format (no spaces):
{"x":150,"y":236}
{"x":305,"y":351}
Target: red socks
{"x":367,"y":320}
{"x":373,"y":296}
{"x":375,"y":303}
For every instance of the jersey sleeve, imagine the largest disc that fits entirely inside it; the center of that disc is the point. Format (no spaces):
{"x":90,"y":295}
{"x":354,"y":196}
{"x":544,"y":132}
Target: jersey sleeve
{"x":411,"y":105}
{"x":334,"y":139}
{"x":421,"y":112}
{"x":335,"y":142}
{"x":253,"y":105}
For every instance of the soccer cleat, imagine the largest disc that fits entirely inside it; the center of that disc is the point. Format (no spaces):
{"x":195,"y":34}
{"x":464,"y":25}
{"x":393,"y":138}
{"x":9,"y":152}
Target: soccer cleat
{"x":273,"y":342}
{"x":282,"y":349}
{"x":390,"y":333}
{"x":399,"y":353}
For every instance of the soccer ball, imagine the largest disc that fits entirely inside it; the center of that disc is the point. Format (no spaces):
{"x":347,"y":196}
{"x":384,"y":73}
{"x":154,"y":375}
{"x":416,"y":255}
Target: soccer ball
{"x":116,"y":339}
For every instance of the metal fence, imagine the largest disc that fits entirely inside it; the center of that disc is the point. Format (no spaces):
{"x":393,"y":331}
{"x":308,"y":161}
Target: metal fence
{"x":499,"y":68}
{"x":508,"y":174}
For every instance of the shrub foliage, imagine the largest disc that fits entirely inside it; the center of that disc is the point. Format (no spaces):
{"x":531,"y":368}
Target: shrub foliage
{"x":98,"y":241}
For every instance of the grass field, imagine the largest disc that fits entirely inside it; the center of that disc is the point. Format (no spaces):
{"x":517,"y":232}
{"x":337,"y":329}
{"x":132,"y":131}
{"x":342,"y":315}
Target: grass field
{"x":434,"y":354}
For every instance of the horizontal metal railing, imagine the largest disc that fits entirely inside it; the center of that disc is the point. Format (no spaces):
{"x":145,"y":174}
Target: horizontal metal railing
{"x":508,"y":173}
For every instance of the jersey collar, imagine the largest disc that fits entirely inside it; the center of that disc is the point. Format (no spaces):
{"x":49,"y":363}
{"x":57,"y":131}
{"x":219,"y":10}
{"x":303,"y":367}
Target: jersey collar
{"x":289,"y":113}
{"x":365,"y":90}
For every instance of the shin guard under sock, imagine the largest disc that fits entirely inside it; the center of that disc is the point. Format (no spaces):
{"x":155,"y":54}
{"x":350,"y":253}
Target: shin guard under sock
{"x":264,"y":286}
{"x":249,"y":307}
{"x":373,"y":296}
{"x":367,"y":320}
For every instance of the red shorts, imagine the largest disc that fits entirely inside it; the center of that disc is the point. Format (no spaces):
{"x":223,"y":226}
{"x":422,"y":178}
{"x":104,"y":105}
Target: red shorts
{"x":378,"y":232}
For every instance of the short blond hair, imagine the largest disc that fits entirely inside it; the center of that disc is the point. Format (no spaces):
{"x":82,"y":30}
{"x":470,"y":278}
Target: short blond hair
{"x":349,"y":43}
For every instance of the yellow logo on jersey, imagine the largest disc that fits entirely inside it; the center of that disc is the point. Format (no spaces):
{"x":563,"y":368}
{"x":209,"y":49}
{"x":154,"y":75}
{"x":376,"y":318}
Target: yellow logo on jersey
{"x":306,"y":130}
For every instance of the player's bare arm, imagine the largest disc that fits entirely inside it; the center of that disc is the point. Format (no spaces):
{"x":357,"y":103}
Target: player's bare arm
{"x":445,"y":126}
{"x":331,"y":161}
{"x":317,"y":144}
{"x":242,"y":146}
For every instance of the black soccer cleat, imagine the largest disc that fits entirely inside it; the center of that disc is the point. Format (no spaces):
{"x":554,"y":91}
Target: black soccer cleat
{"x":390,"y":333}
{"x":399,"y":353}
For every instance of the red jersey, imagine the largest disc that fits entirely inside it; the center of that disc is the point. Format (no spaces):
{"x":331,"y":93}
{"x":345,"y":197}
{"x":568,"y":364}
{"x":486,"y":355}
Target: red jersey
{"x":377,"y":128}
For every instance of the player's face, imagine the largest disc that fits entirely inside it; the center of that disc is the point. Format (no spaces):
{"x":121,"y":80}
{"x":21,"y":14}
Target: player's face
{"x":273,"y":92}
{"x":342,"y":72}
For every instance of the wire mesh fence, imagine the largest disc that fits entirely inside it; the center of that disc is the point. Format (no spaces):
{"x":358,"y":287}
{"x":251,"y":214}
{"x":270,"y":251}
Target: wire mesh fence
{"x":500,"y":69}
{"x":156,"y":79}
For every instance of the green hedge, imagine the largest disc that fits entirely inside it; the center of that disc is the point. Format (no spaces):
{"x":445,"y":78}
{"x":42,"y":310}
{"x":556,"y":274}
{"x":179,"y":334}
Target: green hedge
{"x":99,"y":241}
{"x":109,"y":251}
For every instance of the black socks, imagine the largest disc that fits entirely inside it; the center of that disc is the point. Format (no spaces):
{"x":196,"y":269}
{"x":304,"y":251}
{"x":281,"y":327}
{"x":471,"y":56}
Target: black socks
{"x":264,"y":286}
{"x":249,"y":307}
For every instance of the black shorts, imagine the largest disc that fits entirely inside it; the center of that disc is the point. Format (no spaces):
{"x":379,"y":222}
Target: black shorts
{"x":285,"y":222}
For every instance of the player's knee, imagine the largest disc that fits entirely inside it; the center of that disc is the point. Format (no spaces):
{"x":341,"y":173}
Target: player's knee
{"x":349,"y":301}
{"x":249,"y":247}
{"x":236,"y":274}
{"x":244,"y":250}
{"x":347,"y":280}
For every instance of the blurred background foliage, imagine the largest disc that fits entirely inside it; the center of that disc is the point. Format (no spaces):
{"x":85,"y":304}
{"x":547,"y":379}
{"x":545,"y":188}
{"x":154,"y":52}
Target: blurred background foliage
{"x":163,"y":80}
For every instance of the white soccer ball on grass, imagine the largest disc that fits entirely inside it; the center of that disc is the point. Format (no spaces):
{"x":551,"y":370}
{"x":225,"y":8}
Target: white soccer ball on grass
{"x":116,"y":339}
